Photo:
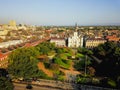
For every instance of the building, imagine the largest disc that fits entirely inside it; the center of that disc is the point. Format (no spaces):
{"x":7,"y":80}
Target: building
{"x":94,"y":42}
{"x":10,"y":43}
{"x":113,"y":38}
{"x":75,"y":40}
{"x":3,"y":32}
{"x":3,"y":61}
{"x":60,"y":42}
{"x":22,"y":27}
{"x":12,"y":23}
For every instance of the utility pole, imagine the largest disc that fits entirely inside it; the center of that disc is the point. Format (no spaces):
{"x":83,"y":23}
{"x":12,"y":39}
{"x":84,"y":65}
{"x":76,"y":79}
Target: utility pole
{"x":85,"y":64}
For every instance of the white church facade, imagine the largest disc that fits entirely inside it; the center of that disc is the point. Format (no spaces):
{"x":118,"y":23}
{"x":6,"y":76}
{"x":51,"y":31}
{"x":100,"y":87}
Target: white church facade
{"x":75,"y":40}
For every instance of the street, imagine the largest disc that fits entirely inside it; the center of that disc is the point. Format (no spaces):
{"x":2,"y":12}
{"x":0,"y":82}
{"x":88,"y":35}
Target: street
{"x":23,"y":87}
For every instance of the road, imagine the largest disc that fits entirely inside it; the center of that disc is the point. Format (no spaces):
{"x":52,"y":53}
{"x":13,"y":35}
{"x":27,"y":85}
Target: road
{"x":23,"y":87}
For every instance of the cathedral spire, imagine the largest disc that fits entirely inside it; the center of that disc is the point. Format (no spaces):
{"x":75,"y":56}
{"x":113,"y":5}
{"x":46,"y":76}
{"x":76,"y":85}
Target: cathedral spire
{"x":76,"y":27}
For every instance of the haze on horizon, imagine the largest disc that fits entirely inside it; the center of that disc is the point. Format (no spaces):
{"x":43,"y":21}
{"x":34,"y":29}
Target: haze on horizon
{"x":61,"y":12}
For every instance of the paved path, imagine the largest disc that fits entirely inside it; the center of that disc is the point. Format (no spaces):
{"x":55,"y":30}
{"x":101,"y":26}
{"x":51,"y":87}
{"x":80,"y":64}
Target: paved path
{"x":46,"y":71}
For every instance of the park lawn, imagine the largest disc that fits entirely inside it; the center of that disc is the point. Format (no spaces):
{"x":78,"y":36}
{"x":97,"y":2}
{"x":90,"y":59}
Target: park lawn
{"x":80,"y":55}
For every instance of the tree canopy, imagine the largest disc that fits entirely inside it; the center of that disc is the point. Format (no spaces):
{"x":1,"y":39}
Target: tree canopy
{"x":23,"y":63}
{"x":45,"y":47}
{"x":5,"y":81}
{"x":109,"y":53}
{"x":5,"y":84}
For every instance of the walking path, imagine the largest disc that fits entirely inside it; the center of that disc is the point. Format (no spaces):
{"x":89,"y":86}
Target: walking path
{"x":46,"y":71}
{"x":70,"y":74}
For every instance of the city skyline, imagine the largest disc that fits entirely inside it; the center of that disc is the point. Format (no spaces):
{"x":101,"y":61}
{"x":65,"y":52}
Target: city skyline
{"x":61,"y":12}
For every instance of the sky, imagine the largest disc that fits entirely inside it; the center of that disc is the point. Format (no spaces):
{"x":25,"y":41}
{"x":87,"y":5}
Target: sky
{"x":60,"y":12}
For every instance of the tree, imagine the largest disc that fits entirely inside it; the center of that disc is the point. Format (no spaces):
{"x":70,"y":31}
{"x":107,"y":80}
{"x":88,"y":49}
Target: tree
{"x":82,"y":64}
{"x":5,"y":84}
{"x":5,"y":81}
{"x":85,"y":51}
{"x":85,"y":62}
{"x":117,"y":53}
{"x":45,"y":47}
{"x":109,"y":53}
{"x":105,"y":51}
{"x":63,"y":63}
{"x":23,"y":63}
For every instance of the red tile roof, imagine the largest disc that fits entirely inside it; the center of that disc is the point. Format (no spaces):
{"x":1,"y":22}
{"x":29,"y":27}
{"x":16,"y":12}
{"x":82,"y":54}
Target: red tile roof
{"x":4,"y":55}
{"x":112,"y":38}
